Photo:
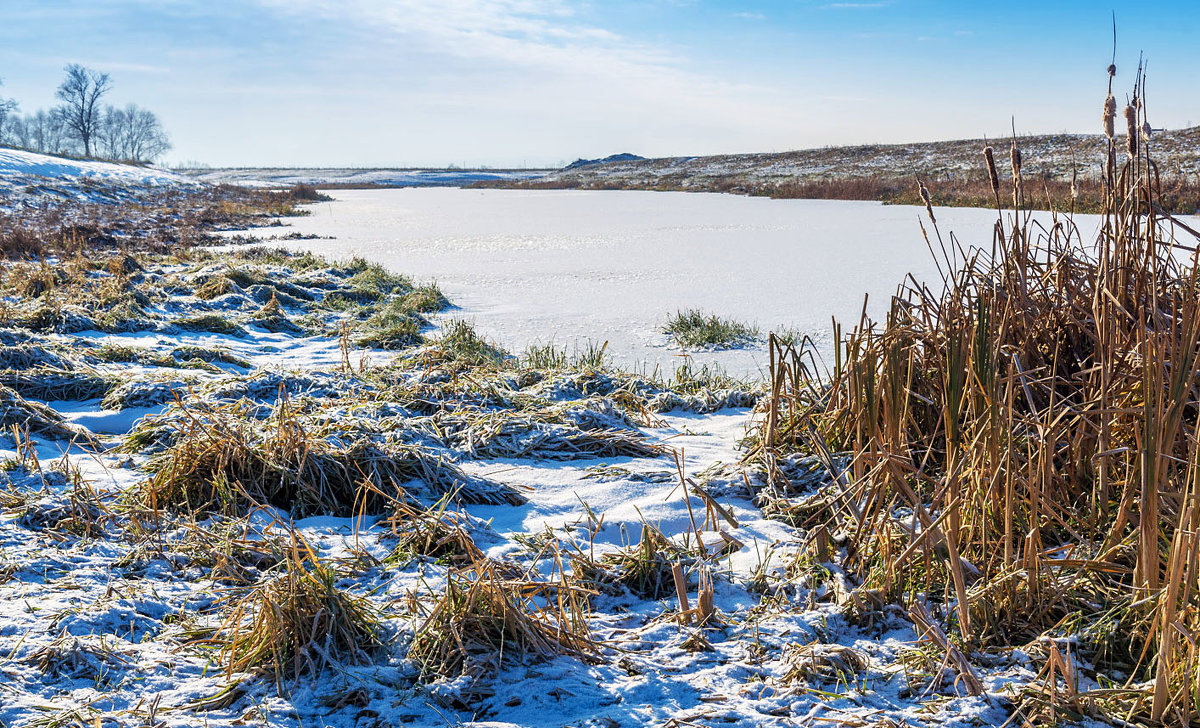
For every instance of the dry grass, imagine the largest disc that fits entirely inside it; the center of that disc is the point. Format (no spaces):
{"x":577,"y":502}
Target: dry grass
{"x":644,"y":568}
{"x":1024,"y":440}
{"x":437,"y":532}
{"x":299,"y":622}
{"x":222,"y":458}
{"x":693,"y":329}
{"x":484,"y":620}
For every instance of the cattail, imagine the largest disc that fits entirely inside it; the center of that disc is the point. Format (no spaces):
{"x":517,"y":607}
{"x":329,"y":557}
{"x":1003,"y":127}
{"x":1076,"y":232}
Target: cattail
{"x":1131,"y":139}
{"x":993,"y":175}
{"x":1146,"y":131}
{"x":1075,"y":184}
{"x":1112,"y":70}
{"x":1014,"y":155}
{"x":928,"y":200}
{"x":1110,"y":116}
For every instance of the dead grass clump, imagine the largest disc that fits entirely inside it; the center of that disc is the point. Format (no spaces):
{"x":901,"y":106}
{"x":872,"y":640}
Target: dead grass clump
{"x":435,"y":532}
{"x":215,"y":287}
{"x":460,"y":346}
{"x":16,"y":411}
{"x":298,"y":623}
{"x":226,"y":459}
{"x":503,"y":434}
{"x":644,"y":569}
{"x":28,"y":356}
{"x":374,"y":279}
{"x":70,"y":657}
{"x":824,"y":663}
{"x":271,"y":317}
{"x":55,"y":384}
{"x":210,"y":323}
{"x":484,"y":620}
{"x":692,"y":329}
{"x":1024,"y":439}
{"x":20,"y":243}
{"x":301,"y":192}
{"x":30,"y":280}
{"x":219,"y":355}
{"x":391,"y":327}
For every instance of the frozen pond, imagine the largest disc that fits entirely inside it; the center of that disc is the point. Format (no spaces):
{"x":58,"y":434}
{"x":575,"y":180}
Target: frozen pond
{"x":567,"y":266}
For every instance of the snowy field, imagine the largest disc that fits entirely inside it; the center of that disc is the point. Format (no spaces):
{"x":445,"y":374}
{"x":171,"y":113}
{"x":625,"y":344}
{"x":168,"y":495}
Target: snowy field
{"x":286,"y":176}
{"x":568,"y":267}
{"x":34,"y":179}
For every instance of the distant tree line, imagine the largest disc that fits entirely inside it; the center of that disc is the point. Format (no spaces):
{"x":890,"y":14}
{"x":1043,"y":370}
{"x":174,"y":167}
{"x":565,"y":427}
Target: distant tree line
{"x":81,"y":126}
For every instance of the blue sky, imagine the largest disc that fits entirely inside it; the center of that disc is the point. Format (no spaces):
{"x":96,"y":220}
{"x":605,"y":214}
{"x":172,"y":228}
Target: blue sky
{"x":537,"y":82}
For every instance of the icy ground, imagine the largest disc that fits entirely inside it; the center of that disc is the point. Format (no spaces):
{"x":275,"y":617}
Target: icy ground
{"x":28,"y":177}
{"x":570,"y":267}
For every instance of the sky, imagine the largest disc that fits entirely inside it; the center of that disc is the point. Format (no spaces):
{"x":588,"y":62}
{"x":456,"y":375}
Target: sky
{"x":516,"y":83}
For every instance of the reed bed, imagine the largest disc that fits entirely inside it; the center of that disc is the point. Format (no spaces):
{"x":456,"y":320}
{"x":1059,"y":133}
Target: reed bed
{"x":1023,"y":439}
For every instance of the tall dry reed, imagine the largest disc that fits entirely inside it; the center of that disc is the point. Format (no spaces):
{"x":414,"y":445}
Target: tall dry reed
{"x":1023,"y":440}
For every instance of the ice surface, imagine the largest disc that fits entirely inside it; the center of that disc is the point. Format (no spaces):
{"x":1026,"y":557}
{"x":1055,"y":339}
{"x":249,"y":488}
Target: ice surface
{"x":569,"y":266}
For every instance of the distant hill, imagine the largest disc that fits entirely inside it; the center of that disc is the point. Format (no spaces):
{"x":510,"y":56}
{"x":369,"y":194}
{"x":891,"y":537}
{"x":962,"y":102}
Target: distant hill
{"x":354,"y":177}
{"x":624,"y":157}
{"x":32,"y":178}
{"x":1053,"y":156}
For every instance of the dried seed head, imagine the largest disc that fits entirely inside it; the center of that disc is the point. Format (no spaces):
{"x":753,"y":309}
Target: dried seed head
{"x":1131,"y":139}
{"x":1146,"y":131}
{"x":1110,"y":117}
{"x":1014,"y":154}
{"x":993,"y":175}
{"x":928,"y":200}
{"x":1112,"y":70}
{"x":1075,"y":184}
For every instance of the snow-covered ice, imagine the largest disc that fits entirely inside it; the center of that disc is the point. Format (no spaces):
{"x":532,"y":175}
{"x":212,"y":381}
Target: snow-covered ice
{"x":568,"y":267}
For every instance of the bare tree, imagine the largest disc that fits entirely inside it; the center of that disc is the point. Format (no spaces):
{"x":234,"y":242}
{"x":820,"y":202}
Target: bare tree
{"x":80,"y":93}
{"x":8,"y":109}
{"x":132,"y":134}
{"x":42,"y":132}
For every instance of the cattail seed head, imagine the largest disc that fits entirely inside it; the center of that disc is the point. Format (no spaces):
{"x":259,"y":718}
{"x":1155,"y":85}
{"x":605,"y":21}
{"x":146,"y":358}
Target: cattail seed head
{"x":1112,"y":70}
{"x":993,"y":175}
{"x":1110,"y":117}
{"x":928,"y":200}
{"x":1014,"y":154}
{"x":1146,"y":131}
{"x":1132,"y":130}
{"x":1075,"y":184}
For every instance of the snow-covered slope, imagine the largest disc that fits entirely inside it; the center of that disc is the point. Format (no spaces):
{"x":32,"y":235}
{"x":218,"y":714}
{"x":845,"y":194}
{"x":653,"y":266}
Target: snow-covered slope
{"x":31,"y":178}
{"x":1056,"y":156}
{"x":349,"y":177}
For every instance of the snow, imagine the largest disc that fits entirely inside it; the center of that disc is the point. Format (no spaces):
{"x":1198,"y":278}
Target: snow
{"x":33,"y":177}
{"x":570,"y":267}
{"x":286,"y":177}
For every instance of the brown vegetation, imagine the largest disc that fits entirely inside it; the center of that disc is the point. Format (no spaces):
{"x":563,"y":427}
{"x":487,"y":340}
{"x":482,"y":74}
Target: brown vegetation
{"x":1024,"y":444}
